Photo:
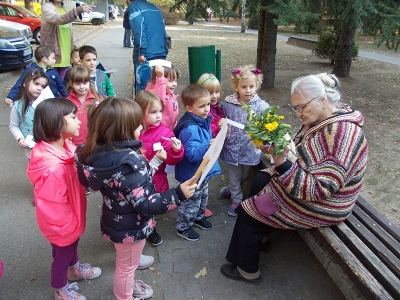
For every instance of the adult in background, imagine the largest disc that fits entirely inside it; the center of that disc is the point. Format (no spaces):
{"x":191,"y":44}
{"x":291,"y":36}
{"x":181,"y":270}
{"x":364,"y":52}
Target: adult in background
{"x":128,"y":37}
{"x":149,"y":37}
{"x":317,"y":189}
{"x":56,"y":31}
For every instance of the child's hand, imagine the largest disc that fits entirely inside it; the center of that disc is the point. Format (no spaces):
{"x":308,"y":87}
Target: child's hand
{"x":188,"y":189}
{"x":161,"y":154}
{"x":211,"y":142}
{"x":176,"y":144}
{"x":159,"y":71}
{"x":21,"y":142}
{"x":8,"y":101}
{"x":221,"y":122}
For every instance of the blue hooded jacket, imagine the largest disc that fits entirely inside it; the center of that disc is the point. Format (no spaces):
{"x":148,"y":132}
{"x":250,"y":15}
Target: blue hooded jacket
{"x":56,"y":84}
{"x":195,"y":135}
{"x":148,"y":28}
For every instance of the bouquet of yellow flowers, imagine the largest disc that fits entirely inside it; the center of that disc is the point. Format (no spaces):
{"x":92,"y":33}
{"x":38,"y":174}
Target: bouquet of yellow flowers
{"x":267,"y":128}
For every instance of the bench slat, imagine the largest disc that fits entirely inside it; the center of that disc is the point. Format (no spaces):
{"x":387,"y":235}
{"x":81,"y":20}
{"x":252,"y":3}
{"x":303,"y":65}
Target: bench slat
{"x":369,"y":259}
{"x":380,"y":218}
{"x":375,"y":245}
{"x":349,"y":274}
{"x":389,"y":241}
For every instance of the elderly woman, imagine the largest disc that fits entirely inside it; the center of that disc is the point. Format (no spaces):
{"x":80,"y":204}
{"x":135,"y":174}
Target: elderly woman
{"x":56,"y":31}
{"x":317,"y":189}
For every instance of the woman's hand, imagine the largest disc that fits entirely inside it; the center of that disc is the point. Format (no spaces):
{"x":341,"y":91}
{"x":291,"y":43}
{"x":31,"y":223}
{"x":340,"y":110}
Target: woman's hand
{"x":85,"y":8}
{"x":279,"y":159}
{"x":188,"y":189}
{"x":176,"y":144}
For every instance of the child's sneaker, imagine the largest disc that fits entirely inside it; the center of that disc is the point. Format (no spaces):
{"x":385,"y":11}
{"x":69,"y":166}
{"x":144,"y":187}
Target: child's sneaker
{"x":155,"y":239}
{"x":145,"y":262}
{"x":189,"y":234}
{"x":208,"y":213}
{"x":203,"y":224}
{"x":83,"y":271}
{"x":141,"y":290}
{"x":225,"y":192}
{"x":231,"y":210}
{"x":68,"y":293}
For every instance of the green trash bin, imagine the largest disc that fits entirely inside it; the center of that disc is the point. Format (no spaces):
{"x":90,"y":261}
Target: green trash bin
{"x":202,"y":59}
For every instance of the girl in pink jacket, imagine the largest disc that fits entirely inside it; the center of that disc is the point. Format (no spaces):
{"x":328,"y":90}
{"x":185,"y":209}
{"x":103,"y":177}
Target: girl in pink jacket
{"x":59,"y":198}
{"x":154,"y":136}
{"x":163,"y":83}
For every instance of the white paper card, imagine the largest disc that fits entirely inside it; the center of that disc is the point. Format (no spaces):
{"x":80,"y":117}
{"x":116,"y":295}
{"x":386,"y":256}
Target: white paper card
{"x":233,"y":123}
{"x":29,"y":141}
{"x":111,"y":71}
{"x":163,"y":62}
{"x":46,"y":94}
{"x":157,"y":146}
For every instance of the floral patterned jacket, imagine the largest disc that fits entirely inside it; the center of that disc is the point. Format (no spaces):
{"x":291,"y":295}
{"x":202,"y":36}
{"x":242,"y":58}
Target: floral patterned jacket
{"x":130,"y":202}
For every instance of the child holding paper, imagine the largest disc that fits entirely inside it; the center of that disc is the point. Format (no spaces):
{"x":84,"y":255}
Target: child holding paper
{"x":22,"y":112}
{"x":163,"y":82}
{"x":156,"y":136}
{"x":194,"y":130}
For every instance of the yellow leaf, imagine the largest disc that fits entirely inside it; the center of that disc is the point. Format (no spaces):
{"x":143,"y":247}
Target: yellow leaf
{"x":152,"y":269}
{"x":202,"y":272}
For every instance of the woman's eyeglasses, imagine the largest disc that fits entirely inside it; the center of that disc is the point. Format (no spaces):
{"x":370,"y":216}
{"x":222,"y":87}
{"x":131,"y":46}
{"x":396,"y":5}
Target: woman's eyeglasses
{"x":301,"y":106}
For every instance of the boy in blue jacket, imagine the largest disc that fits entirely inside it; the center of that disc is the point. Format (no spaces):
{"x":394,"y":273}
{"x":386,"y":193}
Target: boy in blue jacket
{"x":194,"y":131}
{"x":46,"y":59}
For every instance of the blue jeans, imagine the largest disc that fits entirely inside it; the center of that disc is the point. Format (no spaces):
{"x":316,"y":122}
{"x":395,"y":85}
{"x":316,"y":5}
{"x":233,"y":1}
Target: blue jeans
{"x":193,"y":208}
{"x":128,"y":38}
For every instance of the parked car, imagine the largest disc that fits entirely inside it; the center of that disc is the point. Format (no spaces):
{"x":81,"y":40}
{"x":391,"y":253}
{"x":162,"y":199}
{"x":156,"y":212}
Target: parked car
{"x":21,"y":29}
{"x":96,"y":18}
{"x":21,"y":15}
{"x":15,"y":50}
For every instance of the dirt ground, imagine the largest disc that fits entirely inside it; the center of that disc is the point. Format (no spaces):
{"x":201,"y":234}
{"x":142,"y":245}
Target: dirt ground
{"x":373,"y":88}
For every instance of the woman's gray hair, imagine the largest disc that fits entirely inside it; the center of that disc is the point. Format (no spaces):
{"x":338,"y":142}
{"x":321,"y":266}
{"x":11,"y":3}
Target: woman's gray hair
{"x":312,"y":86}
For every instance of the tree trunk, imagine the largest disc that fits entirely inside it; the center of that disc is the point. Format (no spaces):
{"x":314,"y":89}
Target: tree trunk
{"x":243,"y":21}
{"x":266,"y":47}
{"x":343,"y":57}
{"x":29,"y":5}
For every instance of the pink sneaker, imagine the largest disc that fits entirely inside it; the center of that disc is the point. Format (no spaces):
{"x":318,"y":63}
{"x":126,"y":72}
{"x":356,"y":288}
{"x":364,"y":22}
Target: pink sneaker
{"x":83,"y":271}
{"x":68,"y":293}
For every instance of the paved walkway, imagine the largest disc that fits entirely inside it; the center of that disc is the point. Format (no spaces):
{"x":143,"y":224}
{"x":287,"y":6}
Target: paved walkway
{"x":182,"y":269}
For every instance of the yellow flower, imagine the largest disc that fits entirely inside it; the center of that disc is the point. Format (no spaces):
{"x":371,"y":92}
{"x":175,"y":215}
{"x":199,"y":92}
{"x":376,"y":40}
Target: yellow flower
{"x":250,"y":134}
{"x":281,"y":117}
{"x":271,"y":126}
{"x":257,"y":143}
{"x":256,"y":123}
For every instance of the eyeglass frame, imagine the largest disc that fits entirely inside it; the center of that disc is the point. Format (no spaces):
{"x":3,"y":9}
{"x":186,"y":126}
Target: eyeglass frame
{"x":301,"y":106}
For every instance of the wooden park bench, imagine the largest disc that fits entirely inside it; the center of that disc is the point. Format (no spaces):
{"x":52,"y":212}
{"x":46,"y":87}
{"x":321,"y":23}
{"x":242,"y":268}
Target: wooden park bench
{"x":361,"y":254}
{"x":302,"y":42}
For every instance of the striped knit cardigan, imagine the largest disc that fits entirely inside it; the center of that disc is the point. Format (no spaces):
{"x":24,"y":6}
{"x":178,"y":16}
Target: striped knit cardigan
{"x":321,"y":186}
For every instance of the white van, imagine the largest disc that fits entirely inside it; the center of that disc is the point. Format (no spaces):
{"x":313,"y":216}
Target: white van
{"x":94,"y":17}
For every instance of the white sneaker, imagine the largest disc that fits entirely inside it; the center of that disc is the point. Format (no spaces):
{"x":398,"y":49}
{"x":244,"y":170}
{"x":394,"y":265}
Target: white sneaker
{"x":68,"y":293}
{"x":145,"y":262}
{"x":141,"y":290}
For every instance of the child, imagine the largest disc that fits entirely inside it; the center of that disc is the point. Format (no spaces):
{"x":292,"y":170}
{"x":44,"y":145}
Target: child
{"x":22,"y":112}
{"x":110,"y":161}
{"x":88,"y":56}
{"x":45,"y":58}
{"x":59,"y":198}
{"x":83,"y":94}
{"x":238,"y":151}
{"x":75,"y":61}
{"x":193,"y":129}
{"x":155,"y":132}
{"x":163,"y":83}
{"x":211,"y":83}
